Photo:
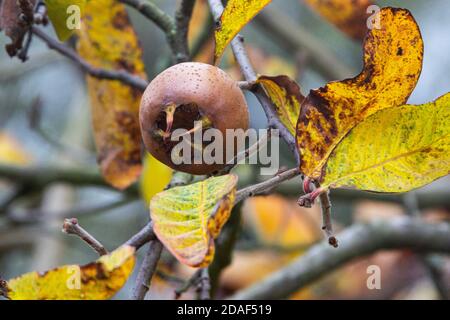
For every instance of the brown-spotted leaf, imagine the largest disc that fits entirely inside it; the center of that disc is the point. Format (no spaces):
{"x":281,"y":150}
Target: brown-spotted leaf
{"x":108,"y":41}
{"x":392,"y":64}
{"x":350,"y":16}
{"x":235,"y":16}
{"x":12,"y":25}
{"x":98,"y":280}
{"x":286,"y":97}
{"x":187,"y":219}
{"x":395,"y":150}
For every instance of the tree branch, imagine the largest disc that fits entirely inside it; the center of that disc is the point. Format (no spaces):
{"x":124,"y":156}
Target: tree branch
{"x":147,"y":270}
{"x":182,"y":18}
{"x":142,"y":237}
{"x":71,"y":226}
{"x":122,"y":76}
{"x":356,"y":241}
{"x":265,"y":186}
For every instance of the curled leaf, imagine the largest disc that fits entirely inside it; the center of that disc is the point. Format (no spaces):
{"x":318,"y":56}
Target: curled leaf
{"x":348,"y":16}
{"x":286,"y":98}
{"x":235,"y":16}
{"x":65,"y":16}
{"x":108,"y":41}
{"x":394,"y":150}
{"x":98,"y":280}
{"x":14,"y":27}
{"x":393,"y":58}
{"x":187,"y":219}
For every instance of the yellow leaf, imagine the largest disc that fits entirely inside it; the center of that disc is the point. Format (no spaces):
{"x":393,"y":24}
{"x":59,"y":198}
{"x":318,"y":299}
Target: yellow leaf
{"x":235,"y":16}
{"x":155,"y":177}
{"x":108,"y":41}
{"x":286,"y":98}
{"x":64,"y":14}
{"x":392,"y":65}
{"x":349,"y":16}
{"x":395,"y":150}
{"x":11,"y":152}
{"x":98,"y":280}
{"x":188,"y":219}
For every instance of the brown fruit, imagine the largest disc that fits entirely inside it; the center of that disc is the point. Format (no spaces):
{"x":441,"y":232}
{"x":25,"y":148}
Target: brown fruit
{"x":185,"y":93}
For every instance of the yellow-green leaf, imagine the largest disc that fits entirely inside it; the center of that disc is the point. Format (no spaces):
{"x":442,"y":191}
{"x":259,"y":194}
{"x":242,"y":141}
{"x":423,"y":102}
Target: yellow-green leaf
{"x":187,"y":219}
{"x":395,"y":150}
{"x":65,"y":16}
{"x":286,"y":98}
{"x":392,"y":64}
{"x":235,"y":16}
{"x":108,"y":41}
{"x":155,"y":177}
{"x":98,"y":280}
{"x":349,"y":16}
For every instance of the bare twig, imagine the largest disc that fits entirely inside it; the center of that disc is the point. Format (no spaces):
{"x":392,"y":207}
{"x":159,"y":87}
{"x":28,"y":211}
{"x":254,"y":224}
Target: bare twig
{"x":267,"y":185}
{"x":119,"y":75}
{"x":182,"y":18}
{"x":145,"y":235}
{"x":356,"y":241}
{"x":204,"y":285}
{"x":147,"y":270}
{"x":327,"y":226}
{"x":71,"y":226}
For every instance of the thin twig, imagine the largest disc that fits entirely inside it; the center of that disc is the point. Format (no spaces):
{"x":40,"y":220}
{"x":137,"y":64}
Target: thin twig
{"x":71,"y":226}
{"x":147,"y":270}
{"x":145,"y":235}
{"x":266,"y":186}
{"x":356,"y":241}
{"x":119,"y":75}
{"x":204,"y":285}
{"x":182,"y":18}
{"x":327,"y":224}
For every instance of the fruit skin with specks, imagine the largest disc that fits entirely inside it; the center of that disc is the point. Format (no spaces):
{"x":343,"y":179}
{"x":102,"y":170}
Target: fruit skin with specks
{"x":198,"y":91}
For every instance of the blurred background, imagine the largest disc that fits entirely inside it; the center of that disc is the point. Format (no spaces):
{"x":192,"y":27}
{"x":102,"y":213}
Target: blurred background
{"x":45,"y":121}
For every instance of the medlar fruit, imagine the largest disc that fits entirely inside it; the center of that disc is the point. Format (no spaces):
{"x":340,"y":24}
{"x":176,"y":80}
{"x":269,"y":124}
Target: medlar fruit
{"x":184,"y":96}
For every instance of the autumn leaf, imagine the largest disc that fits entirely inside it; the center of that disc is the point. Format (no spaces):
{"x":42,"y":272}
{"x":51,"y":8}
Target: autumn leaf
{"x":108,"y":41}
{"x":155,"y":177}
{"x":395,"y":150}
{"x":187,"y":219}
{"x":63,"y":14}
{"x":98,"y":280}
{"x":392,"y":64}
{"x":349,"y":16}
{"x":236,"y":15}
{"x":286,"y":98}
